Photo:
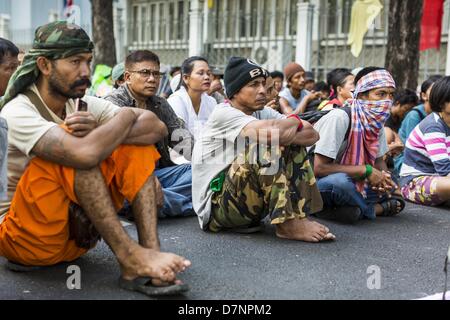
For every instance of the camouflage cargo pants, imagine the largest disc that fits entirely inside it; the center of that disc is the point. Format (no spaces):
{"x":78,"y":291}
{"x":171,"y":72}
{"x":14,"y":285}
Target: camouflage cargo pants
{"x":253,"y":190}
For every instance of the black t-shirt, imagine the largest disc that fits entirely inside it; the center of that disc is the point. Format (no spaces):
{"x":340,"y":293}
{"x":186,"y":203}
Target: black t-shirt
{"x":393,"y":124}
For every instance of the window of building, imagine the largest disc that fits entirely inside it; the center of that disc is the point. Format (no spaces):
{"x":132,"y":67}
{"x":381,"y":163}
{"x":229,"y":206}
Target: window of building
{"x":162,"y":21}
{"x":144,"y":23}
{"x":280,"y":19}
{"x":293,"y":18}
{"x":266,"y":11}
{"x":153,"y":22}
{"x":135,"y":24}
{"x":254,"y":18}
{"x":182,"y":19}
{"x":242,"y":19}
{"x":346,"y":15}
{"x":159,"y":21}
{"x":331,"y":10}
{"x":445,"y":21}
{"x":172,"y":21}
{"x":338,"y":14}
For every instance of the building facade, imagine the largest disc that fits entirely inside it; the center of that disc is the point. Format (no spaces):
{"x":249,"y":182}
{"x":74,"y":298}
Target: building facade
{"x":20,"y":18}
{"x":272,"y":32}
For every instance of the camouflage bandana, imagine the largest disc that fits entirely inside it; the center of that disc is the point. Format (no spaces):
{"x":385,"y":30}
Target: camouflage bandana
{"x":56,"y":40}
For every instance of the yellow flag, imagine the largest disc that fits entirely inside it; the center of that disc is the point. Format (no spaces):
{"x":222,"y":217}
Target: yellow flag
{"x":210,"y":4}
{"x":364,"y":13}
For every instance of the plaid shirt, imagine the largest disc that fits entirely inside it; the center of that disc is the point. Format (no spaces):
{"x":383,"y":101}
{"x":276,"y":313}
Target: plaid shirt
{"x":122,"y":97}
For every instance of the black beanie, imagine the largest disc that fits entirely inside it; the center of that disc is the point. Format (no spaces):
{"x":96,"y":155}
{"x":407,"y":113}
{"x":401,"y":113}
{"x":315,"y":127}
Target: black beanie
{"x":239,"y":72}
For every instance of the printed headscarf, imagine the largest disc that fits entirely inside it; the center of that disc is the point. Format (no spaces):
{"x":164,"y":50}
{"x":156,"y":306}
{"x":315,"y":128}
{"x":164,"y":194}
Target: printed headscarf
{"x":56,"y":40}
{"x":368,"y":119}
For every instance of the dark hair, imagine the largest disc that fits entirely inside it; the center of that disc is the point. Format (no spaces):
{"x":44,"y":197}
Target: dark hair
{"x":365,"y":72}
{"x":174,"y":69}
{"x":140,"y":56}
{"x":406,"y":96}
{"x":440,"y":94}
{"x":321,"y":86}
{"x":277,"y":74}
{"x":336,"y":78}
{"x":7,"y":48}
{"x":187,"y":67}
{"x":115,"y":85}
{"x":429,"y":82}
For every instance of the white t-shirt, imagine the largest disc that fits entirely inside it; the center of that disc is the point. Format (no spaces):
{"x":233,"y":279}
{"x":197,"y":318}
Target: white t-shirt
{"x":3,"y":158}
{"x":182,"y":105}
{"x":214,"y":151}
{"x":26,"y":126}
{"x":332,"y":129}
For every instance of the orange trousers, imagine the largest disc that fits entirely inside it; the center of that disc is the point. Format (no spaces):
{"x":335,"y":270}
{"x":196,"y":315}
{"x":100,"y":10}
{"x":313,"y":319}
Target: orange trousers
{"x":35,"y":231}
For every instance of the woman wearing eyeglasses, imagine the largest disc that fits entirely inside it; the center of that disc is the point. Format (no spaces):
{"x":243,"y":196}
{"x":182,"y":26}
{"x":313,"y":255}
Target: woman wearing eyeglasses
{"x":191,"y":101}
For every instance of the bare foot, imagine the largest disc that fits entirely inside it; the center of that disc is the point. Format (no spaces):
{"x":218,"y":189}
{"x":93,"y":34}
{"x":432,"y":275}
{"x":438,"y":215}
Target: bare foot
{"x":161,"y":266}
{"x":304,"y":230}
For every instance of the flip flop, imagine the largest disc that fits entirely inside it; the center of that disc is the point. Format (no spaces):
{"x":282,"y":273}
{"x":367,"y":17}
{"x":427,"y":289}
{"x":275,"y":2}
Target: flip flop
{"x":247,"y":230}
{"x":144,"y":285}
{"x":17,"y":267}
{"x":390,"y":206}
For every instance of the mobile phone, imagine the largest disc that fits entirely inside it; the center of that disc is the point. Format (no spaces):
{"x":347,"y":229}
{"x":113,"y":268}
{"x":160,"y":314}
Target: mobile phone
{"x":81,"y":105}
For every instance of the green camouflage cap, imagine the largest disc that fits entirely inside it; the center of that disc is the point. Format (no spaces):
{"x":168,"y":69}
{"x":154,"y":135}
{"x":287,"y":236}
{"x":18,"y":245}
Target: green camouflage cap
{"x":55,"y":40}
{"x":118,"y":71}
{"x":62,"y":35}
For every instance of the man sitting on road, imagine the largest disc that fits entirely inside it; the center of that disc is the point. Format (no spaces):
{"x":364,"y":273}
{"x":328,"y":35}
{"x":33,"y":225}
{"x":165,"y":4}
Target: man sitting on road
{"x":242,"y":172}
{"x":141,"y":84}
{"x":70,"y":168}
{"x":8,"y":64}
{"x":353,"y":178}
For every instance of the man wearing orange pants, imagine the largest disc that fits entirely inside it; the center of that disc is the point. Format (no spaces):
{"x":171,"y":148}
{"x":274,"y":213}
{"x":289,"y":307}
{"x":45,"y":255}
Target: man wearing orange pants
{"x":63,"y":156}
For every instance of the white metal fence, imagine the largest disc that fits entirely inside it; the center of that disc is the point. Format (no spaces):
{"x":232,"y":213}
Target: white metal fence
{"x":331,"y":49}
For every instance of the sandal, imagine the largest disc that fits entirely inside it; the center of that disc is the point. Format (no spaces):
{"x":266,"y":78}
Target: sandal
{"x":17,"y":267}
{"x":144,"y":285}
{"x":255,"y":228}
{"x":390,"y":206}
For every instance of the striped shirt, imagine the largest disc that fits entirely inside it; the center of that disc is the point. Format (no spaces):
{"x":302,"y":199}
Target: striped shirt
{"x":427,"y":150}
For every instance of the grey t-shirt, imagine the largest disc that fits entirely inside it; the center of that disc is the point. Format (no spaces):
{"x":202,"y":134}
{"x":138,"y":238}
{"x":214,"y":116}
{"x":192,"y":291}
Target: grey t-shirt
{"x":332,"y":129}
{"x":214,"y":151}
{"x":286,"y":94}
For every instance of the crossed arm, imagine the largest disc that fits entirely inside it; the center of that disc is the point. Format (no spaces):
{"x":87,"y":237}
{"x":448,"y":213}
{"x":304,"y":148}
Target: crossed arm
{"x":86,"y":150}
{"x":282,"y":131}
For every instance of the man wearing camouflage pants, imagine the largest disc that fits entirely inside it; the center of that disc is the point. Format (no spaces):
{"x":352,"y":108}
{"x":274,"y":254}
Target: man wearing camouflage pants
{"x":251,"y":163}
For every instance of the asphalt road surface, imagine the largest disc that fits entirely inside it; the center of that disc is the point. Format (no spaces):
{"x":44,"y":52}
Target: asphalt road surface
{"x":391,"y":258}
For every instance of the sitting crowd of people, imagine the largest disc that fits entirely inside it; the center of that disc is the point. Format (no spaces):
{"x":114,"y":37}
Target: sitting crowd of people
{"x":233,"y":148}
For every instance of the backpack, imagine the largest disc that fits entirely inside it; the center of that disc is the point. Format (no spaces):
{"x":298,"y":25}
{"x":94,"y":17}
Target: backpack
{"x":421,"y":116}
{"x":314,"y":116}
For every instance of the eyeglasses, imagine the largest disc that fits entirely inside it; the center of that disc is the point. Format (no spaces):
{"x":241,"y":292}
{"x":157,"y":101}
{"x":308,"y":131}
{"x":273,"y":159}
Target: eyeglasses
{"x":145,"y":73}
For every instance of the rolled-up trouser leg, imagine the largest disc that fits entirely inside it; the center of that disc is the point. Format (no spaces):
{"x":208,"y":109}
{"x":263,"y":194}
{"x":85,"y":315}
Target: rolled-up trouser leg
{"x":36,"y":228}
